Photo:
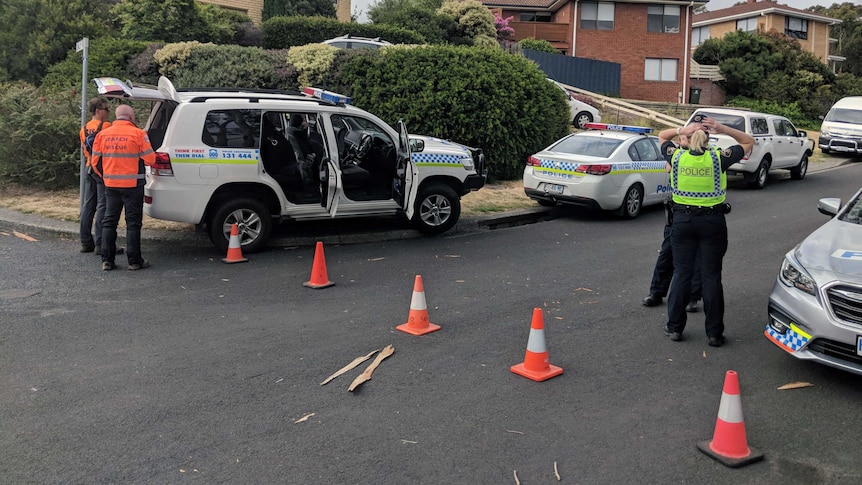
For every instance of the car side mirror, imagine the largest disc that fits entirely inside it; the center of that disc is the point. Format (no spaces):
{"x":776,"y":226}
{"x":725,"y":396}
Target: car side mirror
{"x":821,"y":117}
{"x":803,"y":134}
{"x":829,"y":206}
{"x":417,"y":145}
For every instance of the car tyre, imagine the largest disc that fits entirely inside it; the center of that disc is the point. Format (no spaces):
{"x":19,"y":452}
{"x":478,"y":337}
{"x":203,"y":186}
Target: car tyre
{"x":759,"y":177}
{"x":437,"y":209}
{"x":798,"y":172}
{"x":632,"y":202}
{"x":253,"y":221}
{"x":582,"y":118}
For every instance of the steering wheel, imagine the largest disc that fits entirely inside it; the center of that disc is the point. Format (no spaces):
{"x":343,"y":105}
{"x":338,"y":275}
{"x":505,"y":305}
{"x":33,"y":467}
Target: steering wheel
{"x":364,"y":147}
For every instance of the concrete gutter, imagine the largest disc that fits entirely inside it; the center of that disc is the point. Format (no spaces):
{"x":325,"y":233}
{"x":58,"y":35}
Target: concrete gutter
{"x":329,"y":232}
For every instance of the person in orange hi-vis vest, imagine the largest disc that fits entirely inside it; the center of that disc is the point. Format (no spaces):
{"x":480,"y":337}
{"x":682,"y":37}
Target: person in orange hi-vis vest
{"x":94,"y":189}
{"x":119,"y":155}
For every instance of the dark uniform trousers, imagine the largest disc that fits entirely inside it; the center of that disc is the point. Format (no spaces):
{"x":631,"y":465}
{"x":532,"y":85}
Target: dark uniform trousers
{"x":130,"y":200}
{"x":663,"y":272}
{"x":698,"y":236}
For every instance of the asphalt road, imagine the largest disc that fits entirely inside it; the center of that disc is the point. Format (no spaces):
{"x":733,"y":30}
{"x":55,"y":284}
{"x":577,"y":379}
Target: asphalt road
{"x":194,"y":370}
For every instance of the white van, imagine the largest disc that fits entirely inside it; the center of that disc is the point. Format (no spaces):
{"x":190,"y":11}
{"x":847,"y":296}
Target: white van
{"x":841,"y":130}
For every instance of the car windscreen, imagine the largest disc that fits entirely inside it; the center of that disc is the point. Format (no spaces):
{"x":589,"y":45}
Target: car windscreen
{"x":733,"y":121}
{"x":853,"y":214}
{"x":592,"y":146}
{"x":843,"y":115}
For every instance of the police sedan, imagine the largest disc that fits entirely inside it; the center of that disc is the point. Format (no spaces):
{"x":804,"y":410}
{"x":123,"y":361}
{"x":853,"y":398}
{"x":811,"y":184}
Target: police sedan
{"x":815,"y":308}
{"x":609,"y":167}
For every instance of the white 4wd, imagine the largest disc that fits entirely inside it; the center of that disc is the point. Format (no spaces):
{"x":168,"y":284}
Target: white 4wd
{"x":255,"y":157}
{"x":777,"y":144}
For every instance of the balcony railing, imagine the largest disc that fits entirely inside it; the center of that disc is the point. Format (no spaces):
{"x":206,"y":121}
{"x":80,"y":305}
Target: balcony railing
{"x":549,"y":31}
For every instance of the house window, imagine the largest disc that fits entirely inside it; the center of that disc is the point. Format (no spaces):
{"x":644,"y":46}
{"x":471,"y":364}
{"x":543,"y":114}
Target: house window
{"x":535,"y":16}
{"x":699,"y":35}
{"x":796,"y":28}
{"x":747,"y":25}
{"x":663,"y":18}
{"x":660,"y":69}
{"x":597,"y":16}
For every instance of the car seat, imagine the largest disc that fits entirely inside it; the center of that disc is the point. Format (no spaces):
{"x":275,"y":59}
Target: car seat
{"x":279,"y":158}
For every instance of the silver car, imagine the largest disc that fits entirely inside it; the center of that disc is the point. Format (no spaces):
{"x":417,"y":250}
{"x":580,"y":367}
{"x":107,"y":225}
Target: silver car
{"x":815,"y":309}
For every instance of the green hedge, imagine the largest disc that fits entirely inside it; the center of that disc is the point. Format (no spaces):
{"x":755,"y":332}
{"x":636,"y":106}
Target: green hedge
{"x":107,"y":57}
{"x":284,"y":32}
{"x":479,"y":97}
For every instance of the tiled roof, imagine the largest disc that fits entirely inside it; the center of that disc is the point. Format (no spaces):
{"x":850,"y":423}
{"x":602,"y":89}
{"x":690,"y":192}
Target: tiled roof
{"x":748,"y":9}
{"x":554,"y":5}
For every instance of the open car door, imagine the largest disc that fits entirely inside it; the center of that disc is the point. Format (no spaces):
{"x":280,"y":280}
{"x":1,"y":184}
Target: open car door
{"x":403,"y":182}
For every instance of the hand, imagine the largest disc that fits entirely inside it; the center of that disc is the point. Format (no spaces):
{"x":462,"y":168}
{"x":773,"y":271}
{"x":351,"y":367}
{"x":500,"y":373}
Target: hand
{"x":710,"y":124}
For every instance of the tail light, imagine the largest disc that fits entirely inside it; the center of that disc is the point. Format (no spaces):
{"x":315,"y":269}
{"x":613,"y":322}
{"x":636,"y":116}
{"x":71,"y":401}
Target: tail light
{"x":594,"y":169}
{"x":533,"y":162}
{"x":163,"y":164}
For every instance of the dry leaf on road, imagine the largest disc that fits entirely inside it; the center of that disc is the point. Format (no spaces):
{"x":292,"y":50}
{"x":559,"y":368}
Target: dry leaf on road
{"x":795,"y":385}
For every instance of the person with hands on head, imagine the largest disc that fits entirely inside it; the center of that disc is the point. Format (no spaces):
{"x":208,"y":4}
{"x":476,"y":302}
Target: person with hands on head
{"x":699,"y":230}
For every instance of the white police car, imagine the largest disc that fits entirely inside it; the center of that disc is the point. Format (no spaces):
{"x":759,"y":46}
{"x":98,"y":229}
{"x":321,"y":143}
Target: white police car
{"x":609,"y":167}
{"x":815,"y":308}
{"x":255,"y":157}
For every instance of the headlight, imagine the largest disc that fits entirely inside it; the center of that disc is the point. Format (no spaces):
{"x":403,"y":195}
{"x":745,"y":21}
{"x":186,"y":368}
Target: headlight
{"x":467,"y":162}
{"x":791,"y":275}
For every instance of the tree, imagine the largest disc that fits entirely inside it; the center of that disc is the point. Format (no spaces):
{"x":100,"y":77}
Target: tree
{"x":418,"y":15}
{"x":305,"y":8}
{"x":848,"y":33}
{"x":474,"y":21}
{"x":174,"y":21}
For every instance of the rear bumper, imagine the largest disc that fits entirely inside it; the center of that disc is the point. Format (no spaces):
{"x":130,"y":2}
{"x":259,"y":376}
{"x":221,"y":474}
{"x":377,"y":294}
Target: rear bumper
{"x":562,"y":199}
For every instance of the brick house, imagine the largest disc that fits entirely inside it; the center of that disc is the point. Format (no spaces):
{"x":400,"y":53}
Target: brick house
{"x":808,"y":28}
{"x":649,"y":40}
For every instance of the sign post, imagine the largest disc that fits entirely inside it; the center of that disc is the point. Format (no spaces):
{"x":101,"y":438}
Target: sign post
{"x":83,"y":45}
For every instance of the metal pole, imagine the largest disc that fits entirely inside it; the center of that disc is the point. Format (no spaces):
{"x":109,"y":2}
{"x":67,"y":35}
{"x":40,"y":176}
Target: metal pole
{"x":83,"y":45}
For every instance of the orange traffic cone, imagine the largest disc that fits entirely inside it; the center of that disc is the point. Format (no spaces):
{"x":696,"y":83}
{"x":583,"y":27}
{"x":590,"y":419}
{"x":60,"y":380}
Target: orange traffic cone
{"x":536,"y":365}
{"x":728,"y":444}
{"x":417,"y":321}
{"x":234,"y":248}
{"x":319,"y":279}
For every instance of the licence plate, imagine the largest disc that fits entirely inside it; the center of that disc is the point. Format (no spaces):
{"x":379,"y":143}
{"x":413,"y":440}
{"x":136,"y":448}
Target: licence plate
{"x":553,"y":189}
{"x":859,"y":345}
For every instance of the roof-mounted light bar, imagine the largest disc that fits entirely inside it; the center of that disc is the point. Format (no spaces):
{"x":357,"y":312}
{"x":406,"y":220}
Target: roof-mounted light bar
{"x":631,"y":129}
{"x":327,"y":95}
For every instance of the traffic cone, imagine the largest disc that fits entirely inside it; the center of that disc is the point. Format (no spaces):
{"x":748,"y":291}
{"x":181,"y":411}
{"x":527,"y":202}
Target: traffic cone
{"x":319,"y":279}
{"x":536,"y":365}
{"x":728,"y":445}
{"x":417,"y":321}
{"x":234,"y":248}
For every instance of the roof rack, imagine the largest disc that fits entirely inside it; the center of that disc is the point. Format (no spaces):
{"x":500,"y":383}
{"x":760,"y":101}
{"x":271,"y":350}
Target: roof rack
{"x":239,"y":90}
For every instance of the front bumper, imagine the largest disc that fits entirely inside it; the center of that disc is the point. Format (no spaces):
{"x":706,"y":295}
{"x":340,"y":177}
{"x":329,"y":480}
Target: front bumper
{"x":800,"y":325}
{"x":840,"y":144}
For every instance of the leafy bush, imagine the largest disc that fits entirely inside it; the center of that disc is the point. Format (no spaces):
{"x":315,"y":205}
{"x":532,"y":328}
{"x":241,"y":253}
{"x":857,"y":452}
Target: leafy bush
{"x":790,"y":111}
{"x":285,"y":32}
{"x":539,"y":45}
{"x":419,"y":16}
{"x":39,"y":143}
{"x":229,"y":66}
{"x":107,"y":57}
{"x":479,"y":97}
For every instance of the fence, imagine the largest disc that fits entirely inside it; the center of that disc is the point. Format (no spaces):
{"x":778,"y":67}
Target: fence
{"x":597,"y":76}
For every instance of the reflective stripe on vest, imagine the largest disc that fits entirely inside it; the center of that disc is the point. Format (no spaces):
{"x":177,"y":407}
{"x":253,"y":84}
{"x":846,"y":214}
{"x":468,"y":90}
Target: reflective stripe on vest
{"x":692,"y":190}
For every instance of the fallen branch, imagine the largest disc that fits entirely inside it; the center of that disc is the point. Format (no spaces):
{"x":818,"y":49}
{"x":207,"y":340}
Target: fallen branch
{"x":349,"y":366}
{"x":366,"y":374}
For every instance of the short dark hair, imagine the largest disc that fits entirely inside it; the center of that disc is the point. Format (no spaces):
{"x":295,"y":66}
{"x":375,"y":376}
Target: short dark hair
{"x":96,"y":103}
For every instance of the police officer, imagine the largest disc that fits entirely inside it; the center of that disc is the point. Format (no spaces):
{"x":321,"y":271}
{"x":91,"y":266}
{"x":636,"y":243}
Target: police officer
{"x":120,"y":153}
{"x":699,"y":230}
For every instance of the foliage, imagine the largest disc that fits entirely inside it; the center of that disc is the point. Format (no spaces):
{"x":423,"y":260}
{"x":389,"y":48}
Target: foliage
{"x":286,"y":32}
{"x":39,"y":143}
{"x":474,"y":21}
{"x":229,"y":66}
{"x":502,"y":26}
{"x":484,"y":98}
{"x":417,"y":15}
{"x":848,"y":33}
{"x":312,"y":62}
{"x":107,"y":57}
{"x":175,"y":21}
{"x":307,"y":8}
{"x":143,"y":67}
{"x":539,"y":45}
{"x":39,"y":33}
{"x":790,"y":111}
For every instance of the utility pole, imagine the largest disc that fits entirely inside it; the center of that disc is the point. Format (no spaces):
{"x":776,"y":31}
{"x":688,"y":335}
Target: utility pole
{"x":83,"y":45}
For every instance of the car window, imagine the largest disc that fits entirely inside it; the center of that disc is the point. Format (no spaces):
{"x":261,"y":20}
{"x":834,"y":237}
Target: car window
{"x":789,"y":129}
{"x":844,"y":115}
{"x":592,"y":146}
{"x":232,"y":128}
{"x":340,"y":45}
{"x":854,"y":211}
{"x":645,"y":150}
{"x":730,"y":120}
{"x":759,"y":126}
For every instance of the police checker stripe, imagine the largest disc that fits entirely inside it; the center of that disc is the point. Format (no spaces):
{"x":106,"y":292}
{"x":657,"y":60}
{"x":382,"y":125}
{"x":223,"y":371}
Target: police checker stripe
{"x":716,"y":176}
{"x":793,"y":339}
{"x":552,"y":167}
{"x":429,"y":159}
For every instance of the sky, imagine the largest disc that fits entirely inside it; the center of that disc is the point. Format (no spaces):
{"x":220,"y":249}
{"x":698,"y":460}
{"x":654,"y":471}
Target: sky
{"x":356,"y":5}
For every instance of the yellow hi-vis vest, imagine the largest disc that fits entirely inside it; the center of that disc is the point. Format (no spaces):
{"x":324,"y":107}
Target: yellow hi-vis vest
{"x":697,"y":179}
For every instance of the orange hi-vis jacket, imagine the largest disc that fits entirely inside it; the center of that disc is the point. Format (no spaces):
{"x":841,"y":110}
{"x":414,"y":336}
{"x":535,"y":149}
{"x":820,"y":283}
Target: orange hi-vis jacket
{"x":120,"y":153}
{"x":91,"y":127}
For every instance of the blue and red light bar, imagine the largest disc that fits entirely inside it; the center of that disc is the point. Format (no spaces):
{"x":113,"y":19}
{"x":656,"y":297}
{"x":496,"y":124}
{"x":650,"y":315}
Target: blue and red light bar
{"x":327,"y":95}
{"x":631,"y":129}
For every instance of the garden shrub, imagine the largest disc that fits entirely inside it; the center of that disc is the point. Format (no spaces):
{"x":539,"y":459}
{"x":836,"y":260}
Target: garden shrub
{"x":285,"y":32}
{"x":229,"y":66}
{"x":107,"y":57}
{"x":479,"y":97}
{"x":39,"y":143}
